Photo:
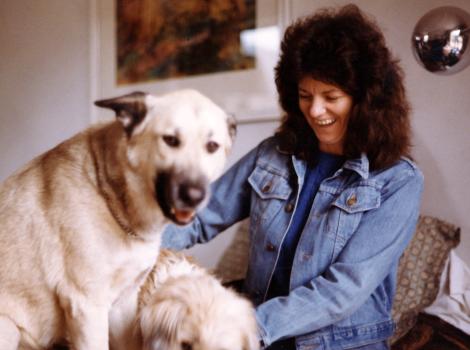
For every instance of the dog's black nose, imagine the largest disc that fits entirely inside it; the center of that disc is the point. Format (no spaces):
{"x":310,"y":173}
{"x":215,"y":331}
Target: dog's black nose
{"x":191,"y":194}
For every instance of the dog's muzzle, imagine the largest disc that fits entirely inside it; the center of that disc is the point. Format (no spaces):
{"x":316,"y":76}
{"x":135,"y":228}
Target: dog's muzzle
{"x":179,"y":196}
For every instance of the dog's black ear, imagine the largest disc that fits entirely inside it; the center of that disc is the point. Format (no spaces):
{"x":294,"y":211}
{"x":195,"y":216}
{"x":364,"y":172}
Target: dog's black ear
{"x":130,"y":109}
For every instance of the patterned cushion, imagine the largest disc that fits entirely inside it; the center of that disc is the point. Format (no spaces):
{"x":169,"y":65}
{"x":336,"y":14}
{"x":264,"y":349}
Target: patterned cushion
{"x":420,"y":270}
{"x":418,"y":273}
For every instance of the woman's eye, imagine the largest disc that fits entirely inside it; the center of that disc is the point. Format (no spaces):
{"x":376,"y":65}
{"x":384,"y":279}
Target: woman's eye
{"x":212,"y":146}
{"x":171,"y":140}
{"x":304,"y":97}
{"x":333,"y":98}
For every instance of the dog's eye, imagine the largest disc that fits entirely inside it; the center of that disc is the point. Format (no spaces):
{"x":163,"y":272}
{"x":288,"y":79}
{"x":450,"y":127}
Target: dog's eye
{"x":186,"y":346}
{"x":212,"y":146}
{"x":171,"y":140}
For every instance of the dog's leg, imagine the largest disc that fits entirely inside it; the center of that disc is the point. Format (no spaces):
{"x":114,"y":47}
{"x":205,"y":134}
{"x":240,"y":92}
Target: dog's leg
{"x":124,"y":333}
{"x":87,"y":324}
{"x":9,"y":334}
{"x":90,"y":330}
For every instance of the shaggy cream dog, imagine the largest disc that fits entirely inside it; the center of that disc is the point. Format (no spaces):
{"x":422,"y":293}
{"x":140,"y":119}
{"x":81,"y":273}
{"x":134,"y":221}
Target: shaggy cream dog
{"x":183,"y":307}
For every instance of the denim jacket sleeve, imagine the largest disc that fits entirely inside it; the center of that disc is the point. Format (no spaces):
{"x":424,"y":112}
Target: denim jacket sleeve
{"x":228,"y":204}
{"x":364,"y":262}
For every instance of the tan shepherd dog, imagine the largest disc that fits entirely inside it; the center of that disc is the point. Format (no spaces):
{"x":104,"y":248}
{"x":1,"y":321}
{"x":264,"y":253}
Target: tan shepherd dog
{"x":80,"y":225}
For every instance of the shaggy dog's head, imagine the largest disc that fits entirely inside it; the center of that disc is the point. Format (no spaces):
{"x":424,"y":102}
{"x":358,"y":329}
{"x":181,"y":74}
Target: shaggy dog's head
{"x":195,"y":312}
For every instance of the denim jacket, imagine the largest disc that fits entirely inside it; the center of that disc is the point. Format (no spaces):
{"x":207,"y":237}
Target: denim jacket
{"x":344,"y":271}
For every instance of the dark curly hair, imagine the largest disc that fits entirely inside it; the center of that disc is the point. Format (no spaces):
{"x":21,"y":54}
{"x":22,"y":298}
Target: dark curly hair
{"x":344,"y":48}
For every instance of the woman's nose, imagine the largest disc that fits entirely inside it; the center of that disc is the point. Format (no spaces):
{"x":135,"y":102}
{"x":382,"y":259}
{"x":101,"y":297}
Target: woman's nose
{"x":317,"y":107}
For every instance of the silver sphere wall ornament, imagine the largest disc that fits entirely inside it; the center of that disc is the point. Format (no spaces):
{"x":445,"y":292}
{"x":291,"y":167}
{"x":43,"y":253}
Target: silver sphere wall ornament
{"x":441,"y":40}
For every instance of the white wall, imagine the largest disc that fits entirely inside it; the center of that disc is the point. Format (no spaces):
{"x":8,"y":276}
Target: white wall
{"x":44,"y":76}
{"x":45,"y":97}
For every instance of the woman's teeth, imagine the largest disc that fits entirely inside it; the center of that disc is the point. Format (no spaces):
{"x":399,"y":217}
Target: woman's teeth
{"x":325,"y":122}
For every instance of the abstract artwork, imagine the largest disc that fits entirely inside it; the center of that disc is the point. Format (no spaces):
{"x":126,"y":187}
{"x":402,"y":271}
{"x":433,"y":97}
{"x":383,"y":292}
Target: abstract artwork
{"x":163,"y":39}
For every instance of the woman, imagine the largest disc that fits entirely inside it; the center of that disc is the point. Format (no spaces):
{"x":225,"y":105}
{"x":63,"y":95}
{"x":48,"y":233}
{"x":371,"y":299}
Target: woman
{"x":333,"y":198}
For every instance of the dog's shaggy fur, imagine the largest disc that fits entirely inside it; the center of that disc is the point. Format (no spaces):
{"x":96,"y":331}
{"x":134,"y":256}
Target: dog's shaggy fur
{"x":80,"y":225}
{"x":183,"y":307}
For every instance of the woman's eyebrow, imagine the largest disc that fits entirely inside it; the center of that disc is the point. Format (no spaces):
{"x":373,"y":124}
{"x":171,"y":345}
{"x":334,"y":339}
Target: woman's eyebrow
{"x":326,"y":92}
{"x":332,"y":91}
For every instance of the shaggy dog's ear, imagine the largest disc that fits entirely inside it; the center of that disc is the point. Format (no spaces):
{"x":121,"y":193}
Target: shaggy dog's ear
{"x":159,"y":322}
{"x":249,"y":326}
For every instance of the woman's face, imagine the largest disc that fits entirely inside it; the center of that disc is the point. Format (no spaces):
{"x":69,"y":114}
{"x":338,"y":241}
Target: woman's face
{"x":327,"y":109}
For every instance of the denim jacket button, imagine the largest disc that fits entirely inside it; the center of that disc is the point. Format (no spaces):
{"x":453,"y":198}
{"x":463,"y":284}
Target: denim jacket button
{"x":352,"y":200}
{"x":266,"y":188}
{"x":270,"y":247}
{"x":289,"y":208}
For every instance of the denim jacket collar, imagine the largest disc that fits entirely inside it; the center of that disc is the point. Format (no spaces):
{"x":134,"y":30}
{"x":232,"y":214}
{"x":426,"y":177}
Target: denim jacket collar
{"x":359,"y":165}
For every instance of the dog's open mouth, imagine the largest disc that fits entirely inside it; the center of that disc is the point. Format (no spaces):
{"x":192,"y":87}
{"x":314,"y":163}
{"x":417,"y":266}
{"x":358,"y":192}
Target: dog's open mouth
{"x":179,"y":197}
{"x":182,"y":216}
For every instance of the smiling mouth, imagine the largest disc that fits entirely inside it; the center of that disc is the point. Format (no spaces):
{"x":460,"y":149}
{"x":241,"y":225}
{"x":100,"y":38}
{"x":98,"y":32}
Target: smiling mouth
{"x":324,"y":122}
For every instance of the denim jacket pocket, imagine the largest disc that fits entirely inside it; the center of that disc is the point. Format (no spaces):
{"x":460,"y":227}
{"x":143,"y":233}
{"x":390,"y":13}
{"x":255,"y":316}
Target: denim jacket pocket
{"x":271,"y":190}
{"x":358,"y":199}
{"x":347,"y":210}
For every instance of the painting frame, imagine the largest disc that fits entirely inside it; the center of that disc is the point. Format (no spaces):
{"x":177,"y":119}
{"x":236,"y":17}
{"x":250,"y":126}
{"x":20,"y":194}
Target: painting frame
{"x":249,"y":95}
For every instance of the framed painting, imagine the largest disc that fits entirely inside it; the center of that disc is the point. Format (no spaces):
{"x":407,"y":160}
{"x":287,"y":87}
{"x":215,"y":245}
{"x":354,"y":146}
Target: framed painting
{"x":227,"y":49}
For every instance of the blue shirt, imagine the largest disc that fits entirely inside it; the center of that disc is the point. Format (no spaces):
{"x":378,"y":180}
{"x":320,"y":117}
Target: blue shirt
{"x":326,"y":165}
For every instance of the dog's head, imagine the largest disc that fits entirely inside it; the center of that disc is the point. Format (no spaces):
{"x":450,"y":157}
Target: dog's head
{"x":176,"y":144}
{"x":197,"y":313}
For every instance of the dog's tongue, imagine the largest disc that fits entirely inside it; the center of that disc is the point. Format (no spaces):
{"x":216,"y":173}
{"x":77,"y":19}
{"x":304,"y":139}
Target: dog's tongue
{"x":184,"y":216}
